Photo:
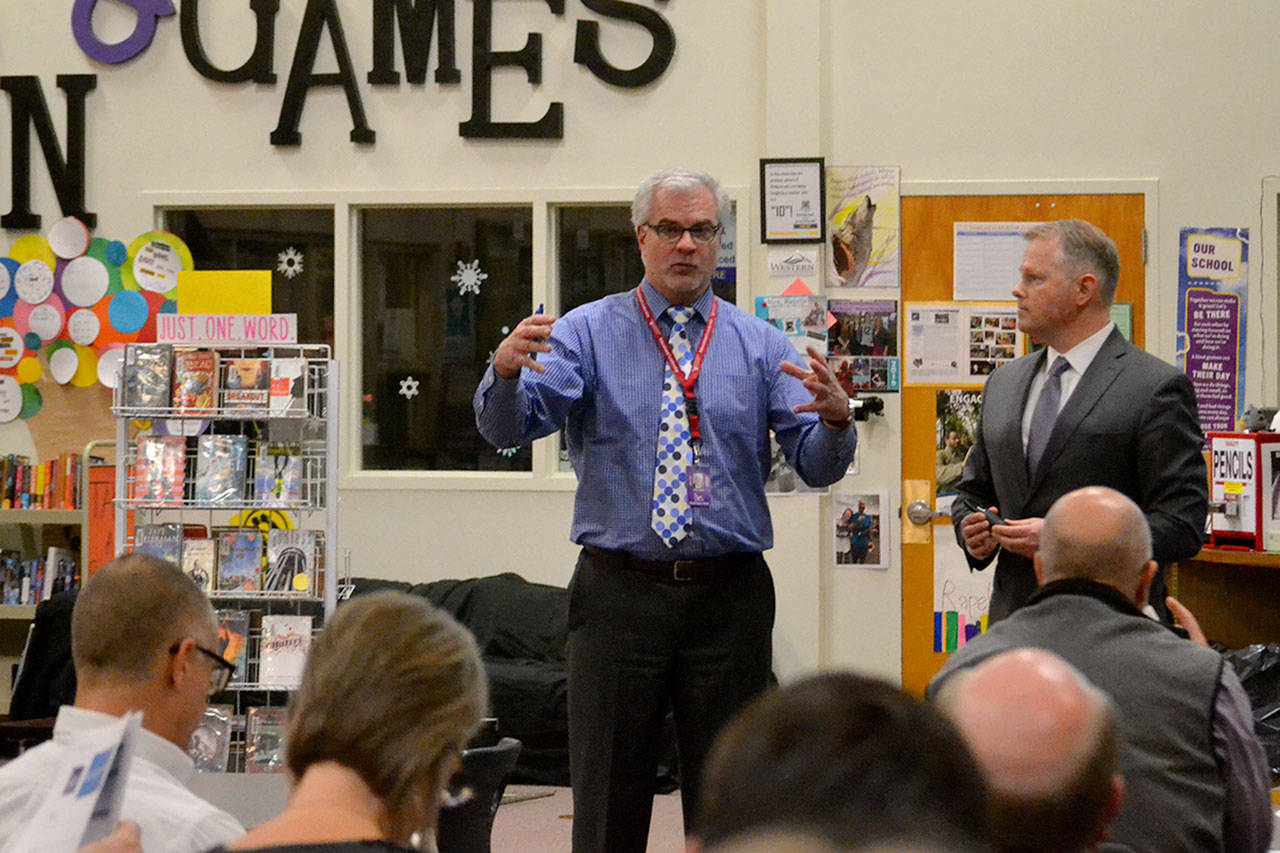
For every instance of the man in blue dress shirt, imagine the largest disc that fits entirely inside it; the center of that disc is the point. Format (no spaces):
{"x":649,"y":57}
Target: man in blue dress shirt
{"x":667,"y":396}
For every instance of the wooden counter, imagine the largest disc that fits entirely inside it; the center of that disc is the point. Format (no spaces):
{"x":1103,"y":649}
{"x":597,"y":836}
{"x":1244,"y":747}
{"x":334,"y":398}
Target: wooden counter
{"x":1235,"y":595}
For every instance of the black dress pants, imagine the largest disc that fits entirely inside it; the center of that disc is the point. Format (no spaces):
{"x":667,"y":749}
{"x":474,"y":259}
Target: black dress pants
{"x":637,"y":645}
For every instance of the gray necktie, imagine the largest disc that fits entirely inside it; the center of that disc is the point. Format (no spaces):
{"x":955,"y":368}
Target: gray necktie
{"x":1045,"y":414}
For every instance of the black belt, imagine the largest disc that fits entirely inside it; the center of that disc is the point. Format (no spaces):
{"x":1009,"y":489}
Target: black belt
{"x":680,"y":571}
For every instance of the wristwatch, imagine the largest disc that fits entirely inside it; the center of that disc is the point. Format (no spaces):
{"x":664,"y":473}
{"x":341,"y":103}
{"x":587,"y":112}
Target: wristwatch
{"x":841,"y":424}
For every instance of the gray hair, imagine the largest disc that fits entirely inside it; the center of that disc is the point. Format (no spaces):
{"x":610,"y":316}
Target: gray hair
{"x":1084,"y":247}
{"x":677,"y":180}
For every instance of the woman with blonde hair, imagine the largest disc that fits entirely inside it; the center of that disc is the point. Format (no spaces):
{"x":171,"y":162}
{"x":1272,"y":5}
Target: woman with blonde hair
{"x":391,"y":692}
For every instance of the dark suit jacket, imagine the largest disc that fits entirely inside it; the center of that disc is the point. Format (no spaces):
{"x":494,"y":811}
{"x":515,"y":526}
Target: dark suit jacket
{"x":1130,"y":424}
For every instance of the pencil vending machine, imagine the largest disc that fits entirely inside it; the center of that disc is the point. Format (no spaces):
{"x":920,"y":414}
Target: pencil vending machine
{"x":1244,"y":470}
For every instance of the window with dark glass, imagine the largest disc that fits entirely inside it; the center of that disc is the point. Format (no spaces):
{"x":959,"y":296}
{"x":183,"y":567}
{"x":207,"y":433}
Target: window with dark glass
{"x":440,"y":287}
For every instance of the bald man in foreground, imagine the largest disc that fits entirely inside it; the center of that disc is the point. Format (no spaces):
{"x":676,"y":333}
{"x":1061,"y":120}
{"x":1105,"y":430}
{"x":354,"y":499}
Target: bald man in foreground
{"x":1059,"y":796}
{"x":1195,"y":775}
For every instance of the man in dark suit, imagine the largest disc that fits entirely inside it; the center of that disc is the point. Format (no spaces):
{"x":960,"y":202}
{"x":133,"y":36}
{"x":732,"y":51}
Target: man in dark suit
{"x":1089,"y":408}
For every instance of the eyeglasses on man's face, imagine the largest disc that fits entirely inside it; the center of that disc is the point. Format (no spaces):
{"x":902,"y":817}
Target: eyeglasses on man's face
{"x":670,"y":232}
{"x":220,"y":675}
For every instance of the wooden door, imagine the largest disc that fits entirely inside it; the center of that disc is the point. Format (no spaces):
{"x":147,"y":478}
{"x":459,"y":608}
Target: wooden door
{"x":927,"y":275}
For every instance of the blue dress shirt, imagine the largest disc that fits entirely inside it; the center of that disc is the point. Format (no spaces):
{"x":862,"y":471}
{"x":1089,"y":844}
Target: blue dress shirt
{"x":603,"y":384}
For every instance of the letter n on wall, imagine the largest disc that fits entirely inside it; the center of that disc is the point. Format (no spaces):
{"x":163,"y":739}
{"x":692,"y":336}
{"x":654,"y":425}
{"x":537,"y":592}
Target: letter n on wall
{"x":28,"y":111}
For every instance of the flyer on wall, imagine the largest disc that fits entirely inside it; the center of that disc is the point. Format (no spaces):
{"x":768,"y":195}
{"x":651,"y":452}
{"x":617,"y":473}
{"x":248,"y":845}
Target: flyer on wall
{"x":864,"y":214}
{"x":802,"y":318}
{"x":956,"y":430}
{"x":986,"y":258}
{"x":957,"y":343}
{"x":1213,"y":301}
{"x":862,"y":344}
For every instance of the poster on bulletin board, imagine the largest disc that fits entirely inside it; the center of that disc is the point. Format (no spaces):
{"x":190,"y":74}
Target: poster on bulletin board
{"x":1213,"y":301}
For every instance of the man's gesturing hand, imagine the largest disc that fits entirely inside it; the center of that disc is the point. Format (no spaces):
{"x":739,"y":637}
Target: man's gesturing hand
{"x":516,"y":350}
{"x":830,"y":402}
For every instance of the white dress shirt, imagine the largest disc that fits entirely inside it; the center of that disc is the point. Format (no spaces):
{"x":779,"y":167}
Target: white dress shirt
{"x":1079,"y":357}
{"x":172,"y":819}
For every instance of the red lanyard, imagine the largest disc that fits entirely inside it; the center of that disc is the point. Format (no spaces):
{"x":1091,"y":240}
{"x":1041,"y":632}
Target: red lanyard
{"x":686,"y":382}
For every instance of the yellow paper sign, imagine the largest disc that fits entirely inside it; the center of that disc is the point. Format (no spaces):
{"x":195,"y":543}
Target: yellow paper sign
{"x":224,"y":292}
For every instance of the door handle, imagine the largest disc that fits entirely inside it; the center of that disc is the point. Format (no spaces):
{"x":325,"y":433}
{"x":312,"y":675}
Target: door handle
{"x":920,"y":513}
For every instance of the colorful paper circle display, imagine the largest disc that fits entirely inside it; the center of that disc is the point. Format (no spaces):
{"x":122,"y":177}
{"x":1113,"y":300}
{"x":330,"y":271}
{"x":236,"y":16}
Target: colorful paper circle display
{"x":10,"y":399}
{"x":33,"y":247}
{"x":68,"y":238}
{"x":29,"y":370}
{"x":101,"y":250}
{"x":87,"y":372}
{"x":6,"y":275}
{"x":156,"y":259}
{"x":32,"y":402}
{"x":12,"y":348}
{"x":34,"y":281}
{"x":128,"y":311}
{"x":84,"y":281}
{"x":46,"y":319}
{"x":83,"y":327}
{"x":110,"y":360}
{"x":64,"y":361}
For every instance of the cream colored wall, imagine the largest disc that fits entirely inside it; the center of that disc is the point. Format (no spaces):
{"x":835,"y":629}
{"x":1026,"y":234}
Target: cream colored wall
{"x":950,"y":91}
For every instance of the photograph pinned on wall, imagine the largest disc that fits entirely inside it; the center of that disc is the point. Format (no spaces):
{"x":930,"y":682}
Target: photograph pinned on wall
{"x":784,"y":479}
{"x":993,"y":339}
{"x":865,"y":373}
{"x":863,"y":345}
{"x":802,"y":318}
{"x":863,"y":215}
{"x":861,"y":539}
{"x":956,"y":427}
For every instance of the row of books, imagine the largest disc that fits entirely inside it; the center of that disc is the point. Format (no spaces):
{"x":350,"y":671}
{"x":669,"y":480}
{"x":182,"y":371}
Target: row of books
{"x":278,"y":642}
{"x":221,"y":476}
{"x":33,"y":580}
{"x":257,"y":734}
{"x":52,"y":484}
{"x":238,"y":560}
{"x":194,"y":381}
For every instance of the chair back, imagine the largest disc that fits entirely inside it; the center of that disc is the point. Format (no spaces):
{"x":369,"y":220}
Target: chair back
{"x":465,"y":827}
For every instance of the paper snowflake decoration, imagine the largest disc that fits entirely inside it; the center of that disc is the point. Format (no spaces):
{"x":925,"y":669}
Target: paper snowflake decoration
{"x":468,"y":277}
{"x":408,"y":388}
{"x":508,"y":452}
{"x":289,"y":262}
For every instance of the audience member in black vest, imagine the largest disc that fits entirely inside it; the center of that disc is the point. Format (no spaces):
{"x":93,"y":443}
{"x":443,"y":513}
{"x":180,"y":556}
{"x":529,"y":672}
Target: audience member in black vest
{"x":1195,"y":775}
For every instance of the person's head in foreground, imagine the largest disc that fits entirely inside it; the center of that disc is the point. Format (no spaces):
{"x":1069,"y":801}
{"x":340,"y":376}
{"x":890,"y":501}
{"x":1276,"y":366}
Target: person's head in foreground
{"x":1097,"y":534}
{"x":851,"y":760}
{"x":141,"y":638}
{"x":1046,"y":740}
{"x":392,"y":690}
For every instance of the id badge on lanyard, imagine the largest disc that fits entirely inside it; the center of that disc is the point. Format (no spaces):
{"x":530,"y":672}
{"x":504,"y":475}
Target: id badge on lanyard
{"x":697,"y":475}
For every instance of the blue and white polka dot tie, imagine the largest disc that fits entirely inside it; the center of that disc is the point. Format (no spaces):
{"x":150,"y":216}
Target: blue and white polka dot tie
{"x":672,"y":518}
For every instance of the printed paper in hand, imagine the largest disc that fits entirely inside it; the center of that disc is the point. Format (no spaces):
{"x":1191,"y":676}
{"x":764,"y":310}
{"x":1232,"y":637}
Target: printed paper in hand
{"x":83,"y":804}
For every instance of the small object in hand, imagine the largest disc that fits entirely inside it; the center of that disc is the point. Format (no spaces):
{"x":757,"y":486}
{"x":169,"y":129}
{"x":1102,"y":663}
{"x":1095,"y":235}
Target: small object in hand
{"x":993,"y":518}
